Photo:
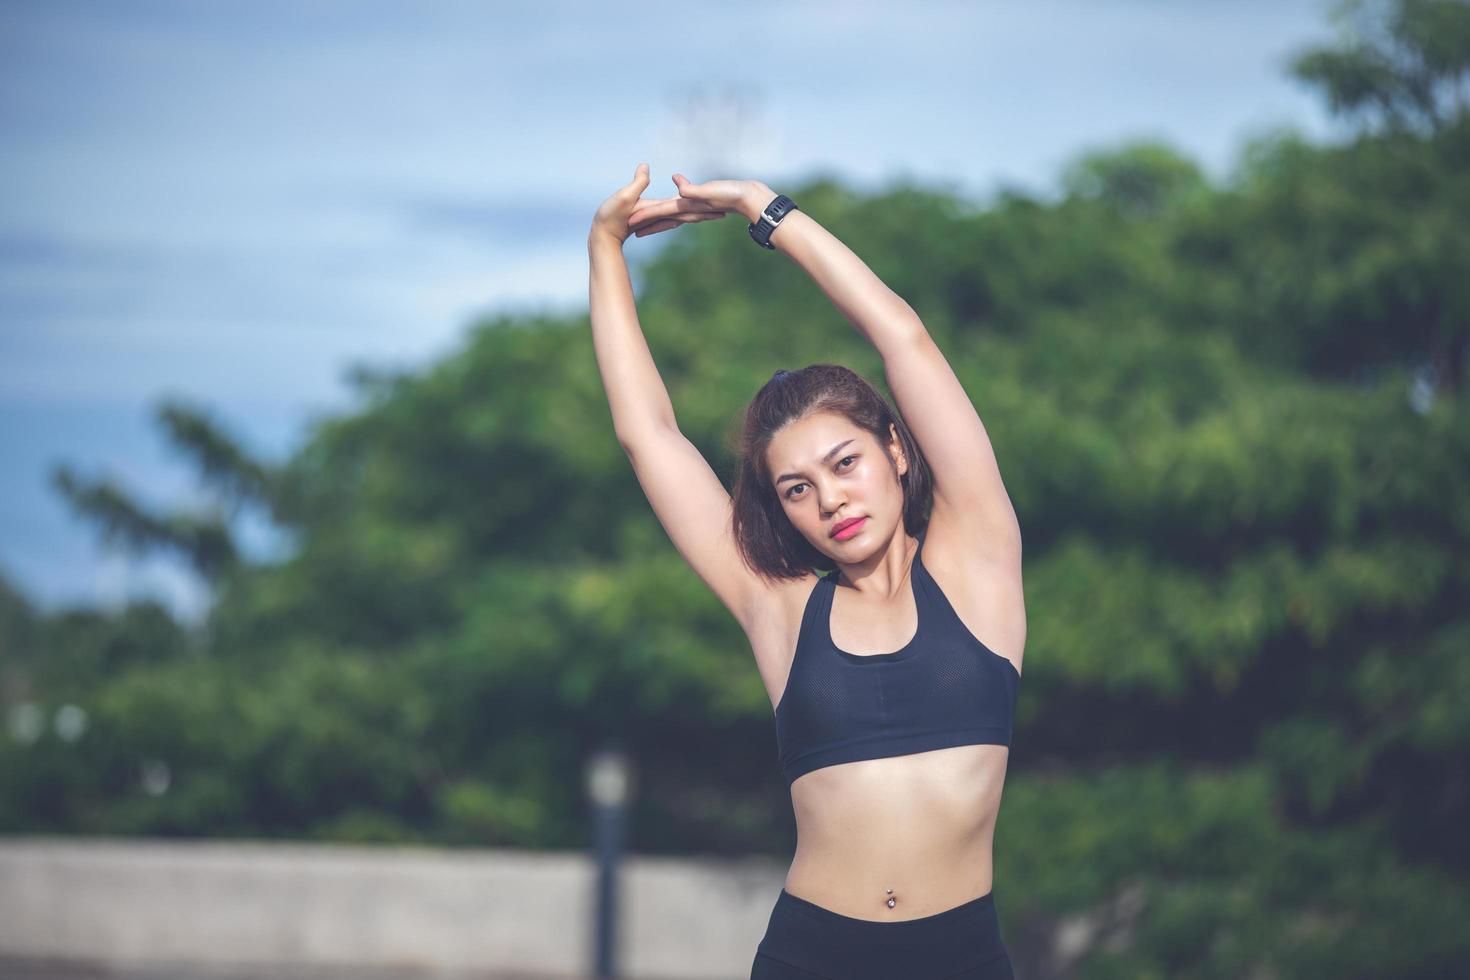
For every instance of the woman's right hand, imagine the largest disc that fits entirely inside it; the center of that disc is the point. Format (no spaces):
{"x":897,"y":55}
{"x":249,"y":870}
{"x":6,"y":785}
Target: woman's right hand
{"x":615,"y":216}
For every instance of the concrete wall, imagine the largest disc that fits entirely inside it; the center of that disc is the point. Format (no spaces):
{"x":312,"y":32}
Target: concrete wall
{"x":126,"y":902}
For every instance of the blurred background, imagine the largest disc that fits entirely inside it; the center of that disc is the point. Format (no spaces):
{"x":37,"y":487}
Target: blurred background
{"x":314,"y":530}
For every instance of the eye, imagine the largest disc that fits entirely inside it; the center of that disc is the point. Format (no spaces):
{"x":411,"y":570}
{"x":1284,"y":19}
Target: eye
{"x":795,"y":485}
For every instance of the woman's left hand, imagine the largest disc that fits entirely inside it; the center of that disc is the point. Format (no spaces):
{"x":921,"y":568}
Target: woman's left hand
{"x":696,"y":202}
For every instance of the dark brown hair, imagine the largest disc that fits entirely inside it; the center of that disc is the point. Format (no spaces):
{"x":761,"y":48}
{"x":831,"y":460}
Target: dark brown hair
{"x":765,"y":537}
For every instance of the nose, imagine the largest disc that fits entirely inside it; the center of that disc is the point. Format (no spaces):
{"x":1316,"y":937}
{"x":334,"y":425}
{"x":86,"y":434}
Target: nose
{"x":831,"y":498}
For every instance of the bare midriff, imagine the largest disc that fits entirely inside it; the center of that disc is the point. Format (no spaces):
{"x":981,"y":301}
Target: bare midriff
{"x":915,"y":828}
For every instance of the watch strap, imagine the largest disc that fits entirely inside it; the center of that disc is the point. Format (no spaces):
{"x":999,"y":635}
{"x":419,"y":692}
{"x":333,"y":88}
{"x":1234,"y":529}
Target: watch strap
{"x":761,"y":229}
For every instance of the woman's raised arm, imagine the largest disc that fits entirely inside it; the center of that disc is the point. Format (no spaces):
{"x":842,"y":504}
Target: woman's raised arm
{"x":686,"y":495}
{"x":635,"y":391}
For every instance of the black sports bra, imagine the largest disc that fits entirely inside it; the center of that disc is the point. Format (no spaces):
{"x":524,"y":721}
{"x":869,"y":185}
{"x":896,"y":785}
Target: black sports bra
{"x":943,"y":688}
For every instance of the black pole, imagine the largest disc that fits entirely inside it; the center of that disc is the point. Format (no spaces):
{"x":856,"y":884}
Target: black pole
{"x":608,"y":779}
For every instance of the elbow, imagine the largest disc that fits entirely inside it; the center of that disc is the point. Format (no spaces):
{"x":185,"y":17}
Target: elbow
{"x":631,"y":437}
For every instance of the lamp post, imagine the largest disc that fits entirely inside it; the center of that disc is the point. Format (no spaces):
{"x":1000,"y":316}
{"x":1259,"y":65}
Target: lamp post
{"x":609,"y":786}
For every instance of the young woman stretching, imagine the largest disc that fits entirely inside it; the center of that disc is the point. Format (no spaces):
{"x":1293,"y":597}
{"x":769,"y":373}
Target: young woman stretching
{"x":894,"y":674}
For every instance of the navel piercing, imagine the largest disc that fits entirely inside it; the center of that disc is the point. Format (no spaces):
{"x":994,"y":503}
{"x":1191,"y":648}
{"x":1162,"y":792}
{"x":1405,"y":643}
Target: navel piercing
{"x":891,"y":901}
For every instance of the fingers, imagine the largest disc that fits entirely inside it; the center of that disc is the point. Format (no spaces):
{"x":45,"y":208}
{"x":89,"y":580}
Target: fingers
{"x":687,"y":188}
{"x":636,"y":186}
{"x":676,"y":203}
{"x":667,"y":207}
{"x":655,"y":228}
{"x":667,"y":223}
{"x":650,"y":201}
{"x":640,"y":221}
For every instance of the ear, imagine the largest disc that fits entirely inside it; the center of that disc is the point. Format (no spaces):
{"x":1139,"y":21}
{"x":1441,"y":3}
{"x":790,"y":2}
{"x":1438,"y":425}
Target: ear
{"x":896,"y":447}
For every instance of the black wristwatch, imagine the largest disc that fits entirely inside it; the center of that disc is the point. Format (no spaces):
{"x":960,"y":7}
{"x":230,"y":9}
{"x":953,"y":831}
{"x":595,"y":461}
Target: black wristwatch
{"x":761,"y":229}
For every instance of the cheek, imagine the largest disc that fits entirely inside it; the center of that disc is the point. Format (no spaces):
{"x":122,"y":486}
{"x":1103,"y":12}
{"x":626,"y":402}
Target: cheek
{"x":885,"y":482}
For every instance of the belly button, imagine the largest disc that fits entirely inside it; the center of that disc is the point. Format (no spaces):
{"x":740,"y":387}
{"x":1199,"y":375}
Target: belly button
{"x":891,"y":901}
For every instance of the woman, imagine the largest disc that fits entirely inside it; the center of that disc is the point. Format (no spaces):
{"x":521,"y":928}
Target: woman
{"x":894,"y":675}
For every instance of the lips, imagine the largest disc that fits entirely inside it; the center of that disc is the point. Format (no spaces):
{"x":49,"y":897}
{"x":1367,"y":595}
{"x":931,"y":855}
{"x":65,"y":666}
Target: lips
{"x":844,"y":525}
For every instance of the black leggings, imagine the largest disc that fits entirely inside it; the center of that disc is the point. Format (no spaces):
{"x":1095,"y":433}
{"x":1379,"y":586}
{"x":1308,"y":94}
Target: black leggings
{"x":805,"y":941}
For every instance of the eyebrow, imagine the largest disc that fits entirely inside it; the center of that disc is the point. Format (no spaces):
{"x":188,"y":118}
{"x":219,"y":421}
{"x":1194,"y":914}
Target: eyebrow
{"x":826,"y":459}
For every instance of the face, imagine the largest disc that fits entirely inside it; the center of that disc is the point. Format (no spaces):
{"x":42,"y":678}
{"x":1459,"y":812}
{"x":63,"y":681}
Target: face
{"x":826,"y":470}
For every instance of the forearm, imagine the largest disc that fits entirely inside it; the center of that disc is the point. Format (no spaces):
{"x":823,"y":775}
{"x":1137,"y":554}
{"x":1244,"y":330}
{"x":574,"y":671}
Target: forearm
{"x":635,"y":391}
{"x":878,"y":313}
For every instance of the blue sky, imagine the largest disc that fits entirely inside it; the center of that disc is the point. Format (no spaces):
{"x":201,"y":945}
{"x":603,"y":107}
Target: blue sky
{"x":231,"y":204}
